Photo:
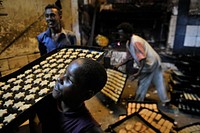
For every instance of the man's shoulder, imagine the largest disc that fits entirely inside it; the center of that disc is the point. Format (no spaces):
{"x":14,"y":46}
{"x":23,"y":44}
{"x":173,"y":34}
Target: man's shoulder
{"x":69,"y":32}
{"x":42,"y":34}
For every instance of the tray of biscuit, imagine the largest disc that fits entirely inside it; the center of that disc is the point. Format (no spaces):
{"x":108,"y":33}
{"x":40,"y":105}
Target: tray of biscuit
{"x":25,"y":87}
{"x":191,"y":128}
{"x":134,"y":106}
{"x":187,"y":101}
{"x":131,"y":124}
{"x":158,"y":120}
{"x":115,"y":84}
{"x":188,"y":108}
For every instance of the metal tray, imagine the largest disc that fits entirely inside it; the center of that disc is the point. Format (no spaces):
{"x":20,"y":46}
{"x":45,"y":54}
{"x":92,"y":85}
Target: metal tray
{"x":32,"y":71}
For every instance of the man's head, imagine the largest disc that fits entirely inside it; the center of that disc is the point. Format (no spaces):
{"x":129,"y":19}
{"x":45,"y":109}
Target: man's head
{"x":83,"y":78}
{"x":53,"y":15}
{"x":125,"y":31}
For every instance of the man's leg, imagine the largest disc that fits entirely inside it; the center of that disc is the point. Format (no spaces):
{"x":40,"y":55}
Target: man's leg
{"x":158,"y":81}
{"x":143,"y":85}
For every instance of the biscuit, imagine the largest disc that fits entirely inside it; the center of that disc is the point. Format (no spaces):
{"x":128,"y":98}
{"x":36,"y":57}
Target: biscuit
{"x":44,"y":82}
{"x":43,"y":91}
{"x":55,"y":77}
{"x":38,"y":99}
{"x":5,"y":87}
{"x":29,"y":81}
{"x":49,"y":58}
{"x":37,"y":71}
{"x":18,"y":105}
{"x":29,"y":76}
{"x":59,"y":56}
{"x":27,"y":87}
{"x":85,"y":51}
{"x":70,"y":49}
{"x":7,"y":95}
{"x":16,"y":88}
{"x":2,"y":84}
{"x":3,"y":112}
{"x":29,"y":97}
{"x":36,"y":66}
{"x":1,"y":125}
{"x":52,"y":71}
{"x":46,"y":70}
{"x":21,"y":76}
{"x":19,"y":95}
{"x":89,"y":55}
{"x":52,"y":84}
{"x":63,"y":50}
{"x":68,"y":61}
{"x":11,"y":80}
{"x":18,"y":81}
{"x":43,"y":62}
{"x":53,"y":65}
{"x":8,"y":103}
{"x":24,"y":107}
{"x":60,"y":60}
{"x":52,"y":60}
{"x":9,"y":118}
{"x":61,"y":66}
{"x":28,"y":71}
{"x":47,"y":76}
{"x":37,"y":81}
{"x":34,"y":90}
{"x":45,"y":65}
{"x":1,"y":92}
{"x":61,"y":71}
{"x":39,"y":75}
{"x":78,"y":50}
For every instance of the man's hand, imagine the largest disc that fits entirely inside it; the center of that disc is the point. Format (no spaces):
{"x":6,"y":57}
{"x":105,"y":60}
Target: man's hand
{"x":115,"y":67}
{"x":133,"y":76}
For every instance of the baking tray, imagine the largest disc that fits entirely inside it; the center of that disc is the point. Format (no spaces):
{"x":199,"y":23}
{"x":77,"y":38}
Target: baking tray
{"x":188,"y":108}
{"x":115,"y":84}
{"x":187,"y":101}
{"x":191,"y":128}
{"x":133,"y":121}
{"x":158,"y":120}
{"x":134,"y":106}
{"x":35,"y":82}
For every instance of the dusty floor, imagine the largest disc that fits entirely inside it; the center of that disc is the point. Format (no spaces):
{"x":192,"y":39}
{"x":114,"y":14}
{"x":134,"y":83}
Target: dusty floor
{"x":106,"y":112}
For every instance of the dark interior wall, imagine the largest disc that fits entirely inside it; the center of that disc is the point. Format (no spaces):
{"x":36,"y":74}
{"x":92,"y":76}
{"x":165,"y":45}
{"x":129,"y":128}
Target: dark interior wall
{"x":18,"y":30}
{"x":149,"y":21}
{"x":184,"y":19}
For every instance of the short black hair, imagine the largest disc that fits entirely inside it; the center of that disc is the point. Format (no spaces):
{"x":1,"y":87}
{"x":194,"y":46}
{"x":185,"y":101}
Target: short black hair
{"x":49,"y":6}
{"x":95,"y":76}
{"x":126,"y":27}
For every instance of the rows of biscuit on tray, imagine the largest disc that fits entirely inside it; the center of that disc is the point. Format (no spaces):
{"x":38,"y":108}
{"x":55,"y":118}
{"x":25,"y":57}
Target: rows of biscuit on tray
{"x":20,"y":92}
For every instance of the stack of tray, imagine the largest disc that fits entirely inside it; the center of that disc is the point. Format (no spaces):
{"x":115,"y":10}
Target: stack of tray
{"x":185,"y":92}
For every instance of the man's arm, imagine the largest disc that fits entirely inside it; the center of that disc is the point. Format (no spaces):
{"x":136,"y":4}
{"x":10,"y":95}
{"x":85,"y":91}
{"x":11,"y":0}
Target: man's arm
{"x":142,"y":63}
{"x":42,"y":49}
{"x":72,"y":37}
{"x":124,"y":62}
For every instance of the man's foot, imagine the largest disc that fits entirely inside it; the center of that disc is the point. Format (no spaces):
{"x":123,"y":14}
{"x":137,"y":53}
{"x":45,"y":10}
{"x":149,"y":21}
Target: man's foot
{"x":168,"y":107}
